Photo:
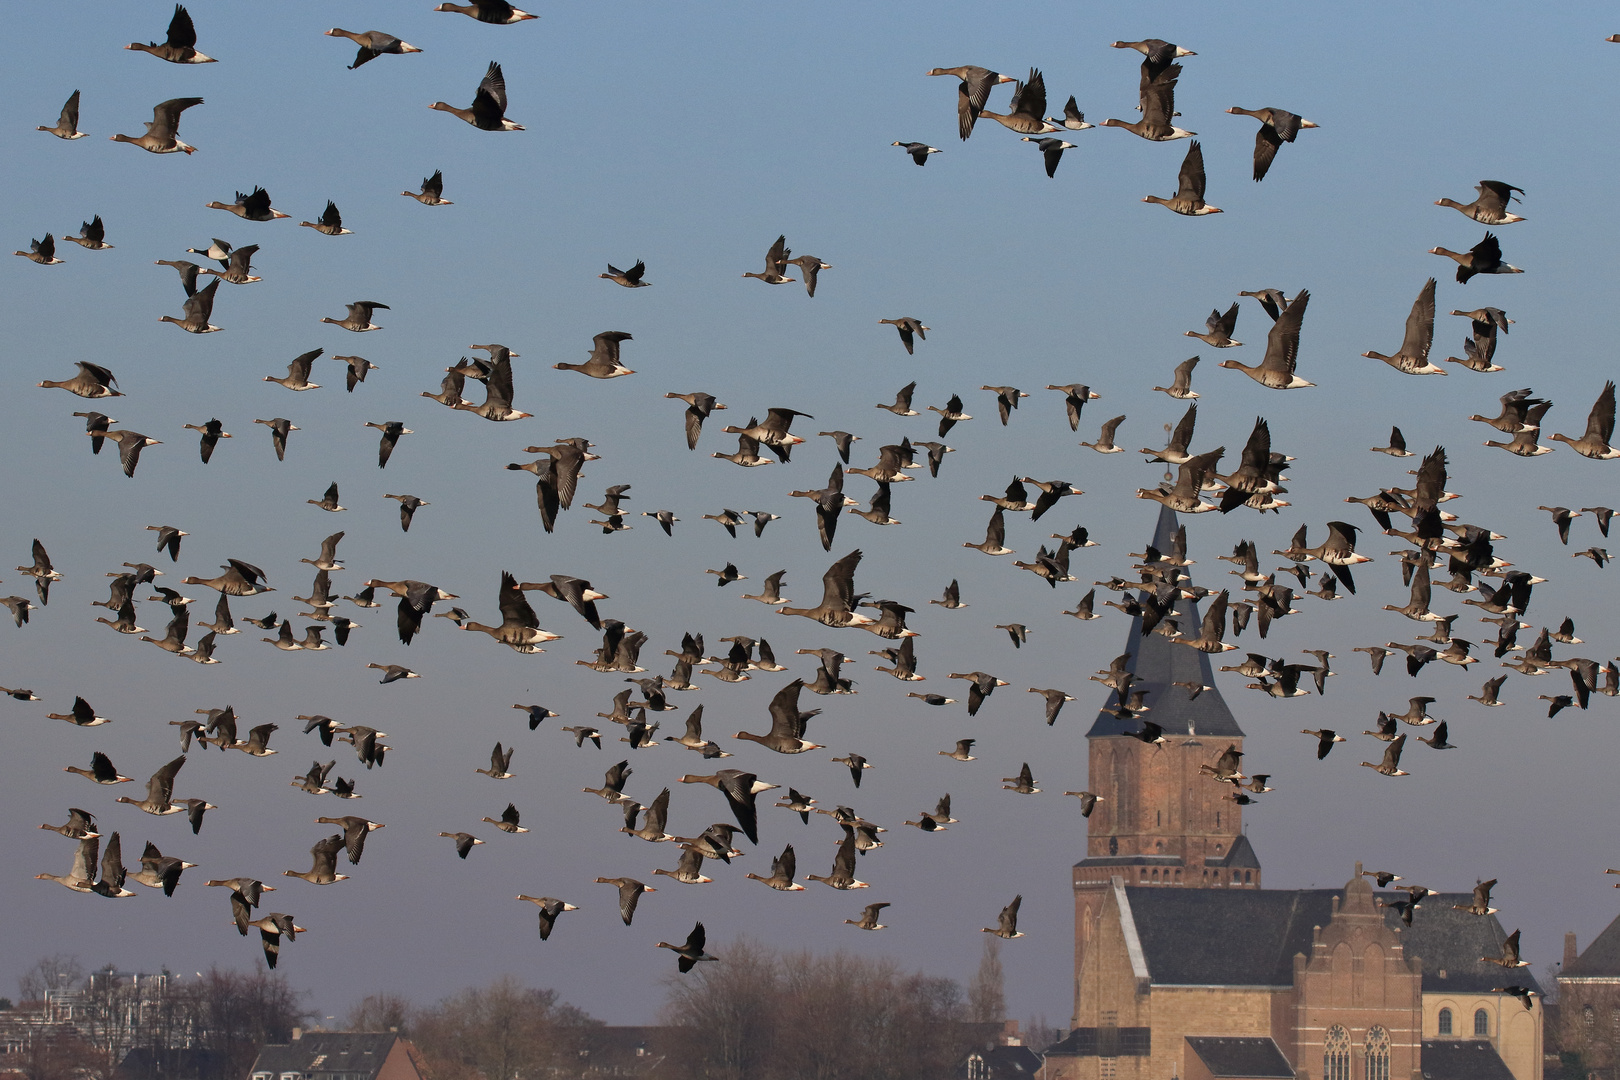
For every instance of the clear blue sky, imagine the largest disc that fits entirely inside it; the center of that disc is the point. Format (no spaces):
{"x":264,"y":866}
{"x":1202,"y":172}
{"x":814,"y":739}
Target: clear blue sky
{"x":690,"y":137}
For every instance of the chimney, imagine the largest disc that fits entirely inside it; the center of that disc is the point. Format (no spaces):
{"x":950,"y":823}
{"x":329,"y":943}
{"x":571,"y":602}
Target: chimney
{"x":297,"y":1033}
{"x":1569,"y":949}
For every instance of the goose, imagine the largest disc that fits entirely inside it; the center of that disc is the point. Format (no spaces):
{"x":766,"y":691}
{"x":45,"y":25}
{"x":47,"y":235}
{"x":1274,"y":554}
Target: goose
{"x":1490,"y":206}
{"x":465,"y":842}
{"x":211,"y":432}
{"x":488,"y":110}
{"x":919,"y":151}
{"x":1595,"y":442}
{"x":771,"y":592}
{"x":776,"y":263}
{"x":1217,"y":331}
{"x":159,"y":791}
{"x":181,"y":45}
{"x":1052,"y":150}
{"x":113,"y":873}
{"x":575,"y":592}
{"x":101,"y":771}
{"x":699,"y":406}
{"x":1396,"y":447}
{"x":1515,"y":414}
{"x":550,"y":907}
{"x":408,"y":505}
{"x":239,"y":579}
{"x":1085,"y":609}
{"x":174,"y":636}
{"x":130,"y":445}
{"x":508,"y":821}
{"x":271,"y":927}
{"x":1189,"y":197}
{"x":689,"y":869}
{"x":837,"y":607}
{"x":67,"y":125}
{"x":652,"y":827}
{"x":747,"y":454}
{"x":1412,"y":358}
{"x":783,"y":869}
{"x":604,"y":361}
{"x":950,"y":415}
{"x":393,"y":673}
{"x":583,"y":732}
{"x":498,"y":12}
{"x":83,"y":869}
{"x":869,"y":914}
{"x":1075,"y":396}
{"x":373,"y":43}
{"x":1105,"y":437}
{"x":843,"y":869}
{"x":787,"y":723}
{"x":1072,"y":119}
{"x":169,"y":538}
{"x":432,"y":193}
{"x":630,"y":891}
{"x":331,"y":223}
{"x":92,"y":235}
{"x":96,"y":425}
{"x":198,"y":307}
{"x":358,"y":320}
{"x":1025,"y":112}
{"x":500,"y":763}
{"x":519,"y":628}
{"x":909,"y":329}
{"x":973,"y":93}
{"x":1596,"y":554}
{"x":855,"y":763}
{"x":81,"y":825}
{"x":1276,"y":370}
{"x":1158,"y":104}
{"x":1510,"y":954}
{"x":630,"y":279}
{"x":1277,"y":126}
{"x":1561,"y":516}
{"x":902,"y":401}
{"x":691,"y":952}
{"x":1438,"y":740}
{"x":809,"y":266}
{"x":1023,"y":783}
{"x":254,"y":206}
{"x":612,"y":788}
{"x":1525,"y":442}
{"x":41,"y":251}
{"x":391,"y":431}
{"x":1391,"y":764}
{"x":904,"y":659}
{"x":1191,"y":474}
{"x":740,"y":790}
{"x":323,"y":870}
{"x":1484,"y":257}
{"x":1007,"y":922}
{"x":297,"y":377}
{"x":163,"y":131}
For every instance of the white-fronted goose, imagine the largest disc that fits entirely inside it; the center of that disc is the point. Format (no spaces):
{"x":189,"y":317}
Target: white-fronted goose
{"x":809,"y":266}
{"x":1412,"y":358}
{"x":1023,"y":783}
{"x":181,"y":45}
{"x":508,"y":821}
{"x":253,"y":206}
{"x":271,"y":927}
{"x":519,"y":628}
{"x":630,"y":279}
{"x":1181,"y":383}
{"x":92,"y":381}
{"x":101,"y":771}
{"x":297,"y":377}
{"x":1277,"y":126}
{"x":488,"y":110}
{"x":843,"y":869}
{"x":1157,"y":97}
{"x":776,"y":263}
{"x":1525,"y":441}
{"x":81,"y":715}
{"x":198,"y":307}
{"x":465,"y":842}
{"x":83,"y":869}
{"x":699,"y":406}
{"x":1491,"y":205}
{"x":1599,"y":430}
{"x":81,"y":825}
{"x":1484,"y":257}
{"x":496,"y":12}
{"x":973,"y":93}
{"x":869,"y":914}
{"x":373,"y":43}
{"x":951,"y":414}
{"x":688,"y":869}
{"x":188,"y":272}
{"x":67,"y":125}
{"x":1105,"y":437}
{"x":391,"y":431}
{"x":919,"y":151}
{"x":1218,"y":329}
{"x":238,"y":266}
{"x":92,"y":235}
{"x":783,"y":869}
{"x":909,"y":328}
{"x":239,"y":579}
{"x":1391,"y":763}
{"x":96,"y":425}
{"x":550,"y":907}
{"x":432,"y":193}
{"x":1025,"y":115}
{"x":41,"y":251}
{"x":1189,"y":196}
{"x":130,"y":445}
{"x":163,"y":131}
{"x":18,"y":606}
{"x":689,"y":953}
{"x":358,"y":320}
{"x":1276,"y":370}
{"x":604,"y":361}
{"x":740,"y":789}
{"x":331,"y":222}
{"x":1007,"y":922}
{"x":837,"y":607}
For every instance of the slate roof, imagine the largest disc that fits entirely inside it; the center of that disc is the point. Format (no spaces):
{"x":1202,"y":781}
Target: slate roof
{"x":328,"y":1051}
{"x":1601,"y":960}
{"x":1458,"y":1059}
{"x":1005,"y":1062}
{"x":1248,"y":937}
{"x":1250,"y":1057}
{"x":1240,"y":856}
{"x":1157,"y":662}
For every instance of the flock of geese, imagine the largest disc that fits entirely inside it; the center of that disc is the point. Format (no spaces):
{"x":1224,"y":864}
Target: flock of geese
{"x":1155,"y":587}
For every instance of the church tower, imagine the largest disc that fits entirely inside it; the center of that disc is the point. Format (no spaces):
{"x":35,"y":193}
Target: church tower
{"x":1160,"y":822}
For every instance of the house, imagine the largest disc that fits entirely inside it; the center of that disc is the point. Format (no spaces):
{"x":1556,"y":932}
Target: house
{"x":1588,"y":1026}
{"x":338,"y":1055}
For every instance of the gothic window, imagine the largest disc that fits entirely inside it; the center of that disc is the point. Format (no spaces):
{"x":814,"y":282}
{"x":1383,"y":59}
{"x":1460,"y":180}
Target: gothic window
{"x":1246,"y":877}
{"x":1482,"y":1022}
{"x":976,"y":1069}
{"x":1445,"y":1022}
{"x":1377,"y":1054}
{"x":1336,"y":1054}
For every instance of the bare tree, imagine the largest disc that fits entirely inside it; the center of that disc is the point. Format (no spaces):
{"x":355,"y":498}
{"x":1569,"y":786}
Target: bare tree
{"x":504,"y":1031}
{"x":383,"y":1011}
{"x":987,"y":998}
{"x":61,"y":971}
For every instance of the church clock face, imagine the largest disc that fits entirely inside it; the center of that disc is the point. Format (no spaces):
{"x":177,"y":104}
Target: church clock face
{"x":1113,"y":845}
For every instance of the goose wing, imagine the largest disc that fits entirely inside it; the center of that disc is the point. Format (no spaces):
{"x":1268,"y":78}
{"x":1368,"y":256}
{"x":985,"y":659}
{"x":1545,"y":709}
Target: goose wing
{"x":1282,"y":342}
{"x":1190,"y":181}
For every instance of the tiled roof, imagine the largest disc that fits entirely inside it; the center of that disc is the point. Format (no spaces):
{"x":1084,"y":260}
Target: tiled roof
{"x":1457,"y":1059}
{"x":336,"y":1051}
{"x":1601,"y":960}
{"x":1157,"y":662}
{"x":1245,"y":1057}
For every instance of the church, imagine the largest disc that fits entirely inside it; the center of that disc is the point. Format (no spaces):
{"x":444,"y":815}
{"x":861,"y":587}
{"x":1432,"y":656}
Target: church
{"x":1185,"y":968}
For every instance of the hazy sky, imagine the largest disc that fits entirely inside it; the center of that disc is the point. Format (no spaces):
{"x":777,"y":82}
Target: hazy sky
{"x":690,"y":136}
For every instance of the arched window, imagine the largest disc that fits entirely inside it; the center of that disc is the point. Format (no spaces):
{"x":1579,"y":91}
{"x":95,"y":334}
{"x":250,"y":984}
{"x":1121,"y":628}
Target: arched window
{"x":1586,"y":1015}
{"x":1445,"y":1022}
{"x":1336,"y":1054}
{"x":1246,"y":878}
{"x":1482,"y":1022}
{"x":1377,"y":1054}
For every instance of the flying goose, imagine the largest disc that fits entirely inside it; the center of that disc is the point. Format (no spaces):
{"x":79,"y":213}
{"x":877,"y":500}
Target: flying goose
{"x":211,"y":432}
{"x":1105,"y":437}
{"x":869,"y":914}
{"x":689,"y":953}
{"x":508,"y":821}
{"x":331,"y":222}
{"x":837,"y":607}
{"x":181,"y":45}
{"x":323,"y":868}
{"x":1595,"y":442}
{"x":252,"y":206}
{"x":1391,"y":764}
{"x":604,"y":361}
{"x":1217,"y":331}
{"x":1276,"y":370}
{"x":358,"y":320}
{"x":740,"y":789}
{"x":393,"y":673}
{"x":1490,"y":206}
{"x":1072,"y":119}
{"x":519,"y":628}
{"x":1510,"y":954}
{"x":1023,"y":783}
{"x":1024,"y":114}
{"x":67,"y":125}
{"x":809,"y":266}
{"x":373,"y":43}
{"x":113,"y":873}
{"x":92,"y":235}
{"x":910,"y":329}
{"x":297,"y":377}
{"x":159,"y":791}
{"x":498,"y":12}
{"x":1480,"y":348}
{"x":198,"y":307}
{"x":919,"y":151}
{"x":689,"y":869}
{"x":1484,"y":257}
{"x":163,"y":130}
{"x":1277,"y":126}
{"x":271,"y":927}
{"x":1412,"y":358}
{"x":973,"y":93}
{"x":550,"y":908}
{"x":698,"y":407}
{"x":1007,"y":922}
{"x":81,"y":825}
{"x":488,"y":110}
{"x":1157,"y":99}
{"x":843,"y":869}
{"x":465,"y":842}
{"x":239,"y":579}
{"x":432,"y":193}
{"x":1189,"y":196}
{"x":776,"y":264}
{"x":82,"y":872}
